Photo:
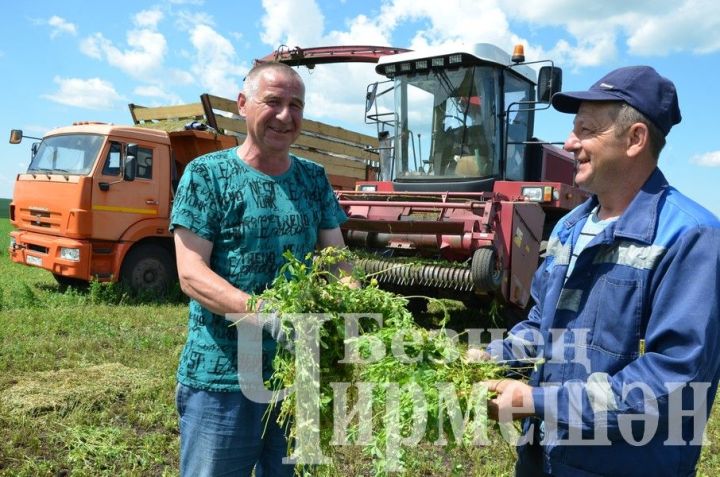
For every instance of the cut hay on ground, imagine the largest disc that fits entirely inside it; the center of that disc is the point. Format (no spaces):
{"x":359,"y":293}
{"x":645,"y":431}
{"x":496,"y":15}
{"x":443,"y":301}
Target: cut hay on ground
{"x":65,"y":389}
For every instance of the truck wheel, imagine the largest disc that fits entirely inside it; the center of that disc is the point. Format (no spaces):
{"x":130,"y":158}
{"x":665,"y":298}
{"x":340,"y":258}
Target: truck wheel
{"x":148,"y":268}
{"x":69,"y":282}
{"x":486,"y":270}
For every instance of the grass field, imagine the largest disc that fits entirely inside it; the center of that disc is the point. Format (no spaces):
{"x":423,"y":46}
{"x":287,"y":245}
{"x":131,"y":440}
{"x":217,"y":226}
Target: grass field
{"x":87,"y":387}
{"x":4,"y":208}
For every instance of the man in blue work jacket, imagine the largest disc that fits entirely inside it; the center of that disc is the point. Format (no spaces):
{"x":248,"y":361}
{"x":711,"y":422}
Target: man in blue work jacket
{"x":625,"y":330}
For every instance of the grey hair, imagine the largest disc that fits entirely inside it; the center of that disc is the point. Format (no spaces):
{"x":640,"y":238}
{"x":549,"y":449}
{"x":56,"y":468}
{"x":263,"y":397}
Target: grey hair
{"x":252,"y":79}
{"x":625,"y":116}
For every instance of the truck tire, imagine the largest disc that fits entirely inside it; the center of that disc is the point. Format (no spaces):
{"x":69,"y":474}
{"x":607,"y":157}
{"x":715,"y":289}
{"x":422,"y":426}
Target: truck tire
{"x":148,"y":268}
{"x":69,"y":282}
{"x":485,"y":269}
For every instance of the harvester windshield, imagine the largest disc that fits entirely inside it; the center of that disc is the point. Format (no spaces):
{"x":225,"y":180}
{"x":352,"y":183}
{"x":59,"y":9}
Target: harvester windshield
{"x":67,"y":154}
{"x":460,"y":118}
{"x":446,"y":124}
{"x":450,"y":124}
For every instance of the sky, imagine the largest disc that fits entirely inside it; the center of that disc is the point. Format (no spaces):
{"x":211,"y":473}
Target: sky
{"x":79,"y":60}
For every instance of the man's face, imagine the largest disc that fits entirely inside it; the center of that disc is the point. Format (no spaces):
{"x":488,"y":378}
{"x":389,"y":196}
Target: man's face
{"x":600,"y":154}
{"x":273,"y":114}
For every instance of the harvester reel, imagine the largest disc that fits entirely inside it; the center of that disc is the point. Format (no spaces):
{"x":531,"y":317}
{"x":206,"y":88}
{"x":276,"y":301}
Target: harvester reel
{"x":486,"y":270}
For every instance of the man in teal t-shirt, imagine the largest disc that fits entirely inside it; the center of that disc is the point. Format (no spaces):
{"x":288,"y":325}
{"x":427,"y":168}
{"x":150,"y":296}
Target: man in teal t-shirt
{"x":235,"y":213}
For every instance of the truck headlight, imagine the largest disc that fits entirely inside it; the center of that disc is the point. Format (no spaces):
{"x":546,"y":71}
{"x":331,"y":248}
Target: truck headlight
{"x":72,"y":254}
{"x":12,"y":243}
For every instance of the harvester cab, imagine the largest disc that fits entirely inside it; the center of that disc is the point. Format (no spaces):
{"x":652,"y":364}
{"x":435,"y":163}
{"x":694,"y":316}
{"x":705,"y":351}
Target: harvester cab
{"x":459,"y":118}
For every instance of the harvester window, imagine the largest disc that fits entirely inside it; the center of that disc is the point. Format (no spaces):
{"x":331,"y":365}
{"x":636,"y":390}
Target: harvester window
{"x":451,"y":130}
{"x":519,"y":96}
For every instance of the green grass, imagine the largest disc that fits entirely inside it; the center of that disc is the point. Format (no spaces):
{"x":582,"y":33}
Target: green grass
{"x":87,"y":386}
{"x":4,"y":208}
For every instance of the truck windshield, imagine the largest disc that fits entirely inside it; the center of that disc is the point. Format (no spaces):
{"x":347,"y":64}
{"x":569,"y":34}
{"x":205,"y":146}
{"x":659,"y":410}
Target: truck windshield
{"x":67,"y":154}
{"x":447,"y":124}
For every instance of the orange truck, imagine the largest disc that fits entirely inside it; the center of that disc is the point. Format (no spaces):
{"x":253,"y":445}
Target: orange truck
{"x":95,"y":201}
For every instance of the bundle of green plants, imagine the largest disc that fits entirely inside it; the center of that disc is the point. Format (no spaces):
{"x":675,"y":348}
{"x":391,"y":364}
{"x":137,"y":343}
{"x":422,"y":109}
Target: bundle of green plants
{"x":377,"y":379}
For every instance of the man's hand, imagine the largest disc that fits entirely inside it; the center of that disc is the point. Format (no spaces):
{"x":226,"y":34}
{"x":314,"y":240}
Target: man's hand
{"x":513,"y":401}
{"x":272,"y":323}
{"x":477,"y":355}
{"x":350,"y":282}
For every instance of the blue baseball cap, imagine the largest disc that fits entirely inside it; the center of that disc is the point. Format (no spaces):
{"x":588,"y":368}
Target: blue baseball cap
{"x":639,"y":86}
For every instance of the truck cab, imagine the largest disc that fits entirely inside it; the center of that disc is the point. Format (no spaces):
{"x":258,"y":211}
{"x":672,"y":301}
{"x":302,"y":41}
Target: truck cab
{"x":95,"y":202}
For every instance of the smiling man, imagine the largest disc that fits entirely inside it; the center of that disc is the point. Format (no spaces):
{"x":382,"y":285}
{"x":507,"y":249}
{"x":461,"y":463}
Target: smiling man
{"x":235,"y":213}
{"x":626,"y":322}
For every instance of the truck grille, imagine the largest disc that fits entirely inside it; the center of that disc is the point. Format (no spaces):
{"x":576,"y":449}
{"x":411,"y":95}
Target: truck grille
{"x":37,"y":248}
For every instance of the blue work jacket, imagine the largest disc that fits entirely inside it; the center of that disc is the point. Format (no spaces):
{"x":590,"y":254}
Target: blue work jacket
{"x":626,"y":348}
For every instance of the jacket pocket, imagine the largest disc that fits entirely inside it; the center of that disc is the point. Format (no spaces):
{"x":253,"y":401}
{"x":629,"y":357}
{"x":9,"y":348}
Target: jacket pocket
{"x":616,"y":328}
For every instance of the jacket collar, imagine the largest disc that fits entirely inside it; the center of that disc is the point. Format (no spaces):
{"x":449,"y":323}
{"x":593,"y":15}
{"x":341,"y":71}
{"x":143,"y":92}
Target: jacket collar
{"x":639,"y":221}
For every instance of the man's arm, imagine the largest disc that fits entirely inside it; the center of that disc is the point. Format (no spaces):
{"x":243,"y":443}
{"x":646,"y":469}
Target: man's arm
{"x":199,"y":281}
{"x":680,"y":349}
{"x":334,"y":238}
{"x":330,"y":238}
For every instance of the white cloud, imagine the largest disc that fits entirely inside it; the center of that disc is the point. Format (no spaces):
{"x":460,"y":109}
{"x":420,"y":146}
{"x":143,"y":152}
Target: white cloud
{"x":186,"y":21}
{"x":148,"y":18}
{"x":292,"y":22}
{"x":458,"y":21}
{"x":93,"y":93}
{"x":709,"y":159}
{"x":361,"y":31}
{"x":336,"y":92}
{"x":649,"y":27}
{"x":91,"y":46}
{"x":142,"y":60}
{"x":561,"y":12}
{"x":216,"y":65}
{"x":585,"y":34}
{"x":175,"y":76}
{"x":692,"y":26}
{"x":591,"y":49}
{"x":60,"y":25}
{"x":144,"y":57}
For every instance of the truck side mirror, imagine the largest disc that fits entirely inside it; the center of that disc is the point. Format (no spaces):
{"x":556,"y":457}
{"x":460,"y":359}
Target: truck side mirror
{"x":549,"y":83}
{"x":16,"y":136}
{"x":130,"y":162}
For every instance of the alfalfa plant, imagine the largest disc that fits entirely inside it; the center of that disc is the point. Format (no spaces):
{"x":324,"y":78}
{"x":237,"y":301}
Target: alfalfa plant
{"x":387,"y":386}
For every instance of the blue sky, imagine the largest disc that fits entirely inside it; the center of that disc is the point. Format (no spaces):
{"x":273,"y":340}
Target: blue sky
{"x":79,"y":60}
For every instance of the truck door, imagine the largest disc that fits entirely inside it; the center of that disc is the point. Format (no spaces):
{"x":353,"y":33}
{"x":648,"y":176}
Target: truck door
{"x":119,"y":203}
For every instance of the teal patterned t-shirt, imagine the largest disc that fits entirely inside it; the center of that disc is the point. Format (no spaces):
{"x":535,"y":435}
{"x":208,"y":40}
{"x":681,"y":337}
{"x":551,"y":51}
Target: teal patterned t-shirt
{"x":252,"y":219}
